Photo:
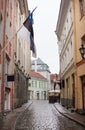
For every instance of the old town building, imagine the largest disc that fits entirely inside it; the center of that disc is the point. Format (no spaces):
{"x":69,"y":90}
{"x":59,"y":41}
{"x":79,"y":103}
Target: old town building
{"x":38,"y":88}
{"x":39,"y":66}
{"x":79,"y":39}
{"x":6,"y":31}
{"x":14,"y":55}
{"x":55,"y":78}
{"x":71,"y":37}
{"x":21,"y":55}
{"x":2,"y":44}
{"x":65,"y":34}
{"x":54,"y":92}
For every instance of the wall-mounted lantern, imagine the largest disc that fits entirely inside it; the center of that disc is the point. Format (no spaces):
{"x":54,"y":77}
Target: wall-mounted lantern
{"x":82,"y":50}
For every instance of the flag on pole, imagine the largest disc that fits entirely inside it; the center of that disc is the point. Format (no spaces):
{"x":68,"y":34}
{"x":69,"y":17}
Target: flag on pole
{"x":27,"y":33}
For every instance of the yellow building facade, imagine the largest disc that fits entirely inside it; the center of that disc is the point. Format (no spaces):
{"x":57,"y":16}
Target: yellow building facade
{"x":79,"y":39}
{"x":65,"y":34}
{"x":70,"y":31}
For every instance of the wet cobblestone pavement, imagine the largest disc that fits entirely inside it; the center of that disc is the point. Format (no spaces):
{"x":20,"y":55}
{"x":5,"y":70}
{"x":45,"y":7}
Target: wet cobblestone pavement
{"x":43,"y":116}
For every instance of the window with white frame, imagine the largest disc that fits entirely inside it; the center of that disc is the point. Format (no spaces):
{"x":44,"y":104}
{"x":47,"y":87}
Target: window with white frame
{"x":39,"y":84}
{"x":32,"y":84}
{"x":35,"y":83}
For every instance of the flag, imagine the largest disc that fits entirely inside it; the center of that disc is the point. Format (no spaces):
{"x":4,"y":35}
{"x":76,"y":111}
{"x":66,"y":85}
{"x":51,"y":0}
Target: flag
{"x":29,"y":25}
{"x":27,"y":33}
{"x":33,"y":47}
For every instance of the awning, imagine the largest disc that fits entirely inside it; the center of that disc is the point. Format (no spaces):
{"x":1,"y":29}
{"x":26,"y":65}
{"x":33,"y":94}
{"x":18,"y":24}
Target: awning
{"x":54,"y":91}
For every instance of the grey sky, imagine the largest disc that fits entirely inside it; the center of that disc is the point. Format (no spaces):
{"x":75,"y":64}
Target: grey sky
{"x":45,"y":20}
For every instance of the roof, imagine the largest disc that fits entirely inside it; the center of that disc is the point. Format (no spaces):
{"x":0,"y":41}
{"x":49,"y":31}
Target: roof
{"x":39,"y":65}
{"x":36,"y":75}
{"x":39,"y":62}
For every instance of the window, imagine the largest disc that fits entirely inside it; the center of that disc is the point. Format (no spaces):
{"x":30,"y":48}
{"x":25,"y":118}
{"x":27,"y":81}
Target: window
{"x":32,"y":84}
{"x":35,"y":83}
{"x":66,"y":26}
{"x":7,"y":72}
{"x":71,"y":19}
{"x":0,"y":67}
{"x":82,"y":9}
{"x":10,"y":10}
{"x":39,"y":84}
{"x":19,"y":50}
{"x":0,"y":28}
{"x":83,"y":41}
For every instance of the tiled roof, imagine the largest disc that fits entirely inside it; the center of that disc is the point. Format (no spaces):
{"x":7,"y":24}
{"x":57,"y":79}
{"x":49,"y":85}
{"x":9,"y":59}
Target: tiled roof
{"x":37,"y":75}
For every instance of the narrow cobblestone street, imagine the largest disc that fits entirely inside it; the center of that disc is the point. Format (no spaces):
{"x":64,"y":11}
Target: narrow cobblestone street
{"x":43,"y":116}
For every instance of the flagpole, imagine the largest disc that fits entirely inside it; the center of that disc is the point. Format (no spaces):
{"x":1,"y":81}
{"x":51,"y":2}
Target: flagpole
{"x":19,"y":29}
{"x":34,"y":9}
{"x":10,"y":40}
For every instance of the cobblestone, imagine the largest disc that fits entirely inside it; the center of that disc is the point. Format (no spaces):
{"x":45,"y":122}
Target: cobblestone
{"x":38,"y":117}
{"x":43,"y":116}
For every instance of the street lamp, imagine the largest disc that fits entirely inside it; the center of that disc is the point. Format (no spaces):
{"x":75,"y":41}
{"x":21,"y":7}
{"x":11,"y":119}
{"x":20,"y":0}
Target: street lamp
{"x":82,"y":50}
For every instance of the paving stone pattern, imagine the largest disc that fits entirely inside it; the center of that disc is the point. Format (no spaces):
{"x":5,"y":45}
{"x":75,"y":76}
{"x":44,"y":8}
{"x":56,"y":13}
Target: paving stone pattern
{"x":43,"y":116}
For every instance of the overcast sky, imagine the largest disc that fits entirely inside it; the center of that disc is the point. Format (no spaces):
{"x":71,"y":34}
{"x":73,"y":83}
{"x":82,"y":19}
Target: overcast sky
{"x":45,"y":20}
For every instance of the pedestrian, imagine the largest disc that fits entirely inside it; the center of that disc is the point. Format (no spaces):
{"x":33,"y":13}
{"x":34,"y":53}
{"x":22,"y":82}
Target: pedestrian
{"x":54,"y":84}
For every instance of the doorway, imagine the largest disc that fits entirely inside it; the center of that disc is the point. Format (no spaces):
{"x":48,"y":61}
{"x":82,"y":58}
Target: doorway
{"x":37,"y":95}
{"x":73,"y":88}
{"x":83,"y":91}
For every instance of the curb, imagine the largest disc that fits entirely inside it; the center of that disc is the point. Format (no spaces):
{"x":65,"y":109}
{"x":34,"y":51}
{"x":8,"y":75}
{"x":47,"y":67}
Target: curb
{"x":21,"y":115}
{"x":70,"y":117}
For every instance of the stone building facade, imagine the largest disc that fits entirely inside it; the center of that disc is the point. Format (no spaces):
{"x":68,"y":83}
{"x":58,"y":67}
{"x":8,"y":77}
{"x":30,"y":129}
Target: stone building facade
{"x":79,"y":38}
{"x":71,"y":35}
{"x":14,"y":55}
{"x":65,"y":34}
{"x":22,"y":55}
{"x":39,"y":66}
{"x":2,"y":44}
{"x":38,"y":89}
